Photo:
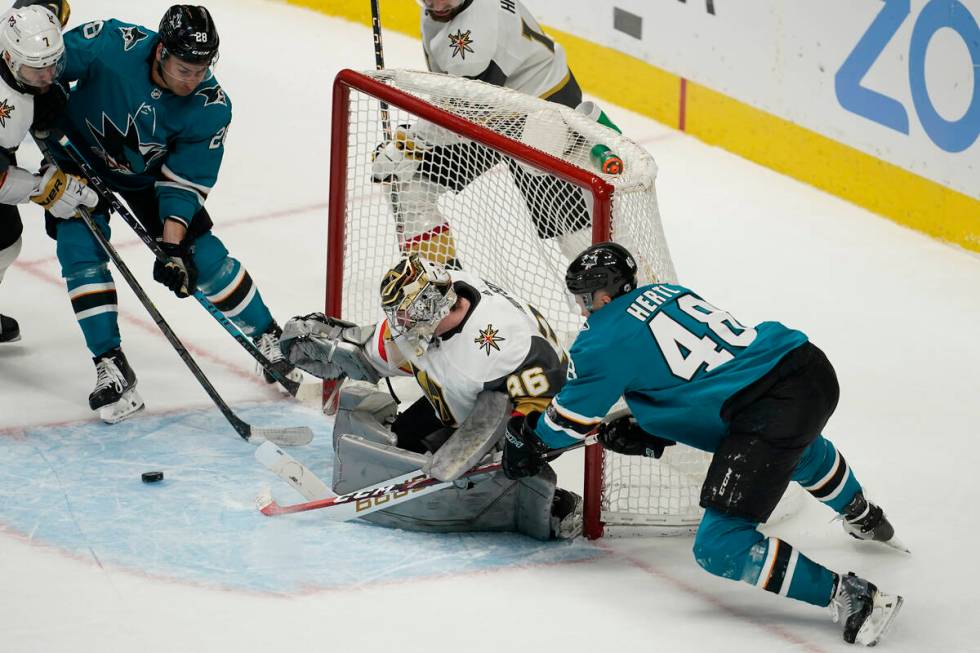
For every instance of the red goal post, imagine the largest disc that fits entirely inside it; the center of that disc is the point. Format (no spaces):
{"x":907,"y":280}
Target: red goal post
{"x":495,"y":223}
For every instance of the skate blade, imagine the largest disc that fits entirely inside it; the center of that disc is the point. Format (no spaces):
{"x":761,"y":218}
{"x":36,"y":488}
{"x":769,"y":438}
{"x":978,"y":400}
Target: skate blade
{"x":877,"y":628}
{"x":898,"y":545}
{"x":127,"y":406}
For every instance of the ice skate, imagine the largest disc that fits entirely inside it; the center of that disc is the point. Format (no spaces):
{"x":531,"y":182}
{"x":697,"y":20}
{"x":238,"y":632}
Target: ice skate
{"x":866,"y":612}
{"x":566,"y":515}
{"x":268,"y":344}
{"x":115,"y":396}
{"x":864,"y":520}
{"x":9,"y":329}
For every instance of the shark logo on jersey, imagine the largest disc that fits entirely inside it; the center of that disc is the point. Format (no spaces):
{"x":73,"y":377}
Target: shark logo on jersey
{"x":488,"y":338}
{"x":5,"y":111}
{"x":213,"y":95}
{"x":124,"y":151}
{"x":131,"y":36}
{"x":460,"y":43}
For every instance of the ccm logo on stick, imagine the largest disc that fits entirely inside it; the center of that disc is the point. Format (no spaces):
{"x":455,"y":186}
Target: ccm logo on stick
{"x":950,"y":135}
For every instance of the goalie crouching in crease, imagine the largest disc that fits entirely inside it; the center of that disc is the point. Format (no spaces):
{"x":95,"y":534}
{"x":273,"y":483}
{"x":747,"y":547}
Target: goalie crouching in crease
{"x":479,"y":355}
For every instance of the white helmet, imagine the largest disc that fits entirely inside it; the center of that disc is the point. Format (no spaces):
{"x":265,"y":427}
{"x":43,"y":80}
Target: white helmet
{"x":32,"y":47}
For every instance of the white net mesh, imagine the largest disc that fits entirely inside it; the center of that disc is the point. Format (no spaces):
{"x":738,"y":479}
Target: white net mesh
{"x":437,"y":190}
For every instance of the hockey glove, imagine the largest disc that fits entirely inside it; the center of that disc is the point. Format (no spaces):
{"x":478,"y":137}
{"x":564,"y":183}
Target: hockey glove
{"x":397,"y":159}
{"x":178,"y":271}
{"x":61,"y":194}
{"x":524,"y":452}
{"x":48,"y":107}
{"x":328,"y":347}
{"x":623,"y":435}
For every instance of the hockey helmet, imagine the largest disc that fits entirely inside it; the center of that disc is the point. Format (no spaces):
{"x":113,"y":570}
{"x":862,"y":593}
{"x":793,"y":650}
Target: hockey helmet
{"x":32,"y":47}
{"x":188,"y":33}
{"x":604,"y":266}
{"x":416,"y":294}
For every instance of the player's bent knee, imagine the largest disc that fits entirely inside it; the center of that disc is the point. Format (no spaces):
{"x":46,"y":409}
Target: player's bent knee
{"x":724,"y":542}
{"x":211,"y":258}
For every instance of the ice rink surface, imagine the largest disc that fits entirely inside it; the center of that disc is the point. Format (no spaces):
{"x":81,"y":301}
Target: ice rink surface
{"x":91,"y":559}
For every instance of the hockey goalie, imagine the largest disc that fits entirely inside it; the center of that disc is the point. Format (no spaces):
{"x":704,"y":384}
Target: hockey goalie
{"x":478,"y":355}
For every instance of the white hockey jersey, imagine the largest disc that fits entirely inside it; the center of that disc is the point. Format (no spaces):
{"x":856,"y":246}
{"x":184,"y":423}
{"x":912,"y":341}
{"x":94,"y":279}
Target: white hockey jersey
{"x":16,"y":115}
{"x":503,"y":344}
{"x":500,"y":42}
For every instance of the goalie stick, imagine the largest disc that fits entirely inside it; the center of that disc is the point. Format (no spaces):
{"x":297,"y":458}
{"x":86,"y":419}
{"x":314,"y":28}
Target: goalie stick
{"x":289,"y":436}
{"x":385,"y":494}
{"x":292,"y":387}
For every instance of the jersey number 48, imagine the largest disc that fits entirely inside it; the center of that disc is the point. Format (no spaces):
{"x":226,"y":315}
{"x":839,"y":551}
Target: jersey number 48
{"x":685,"y":352}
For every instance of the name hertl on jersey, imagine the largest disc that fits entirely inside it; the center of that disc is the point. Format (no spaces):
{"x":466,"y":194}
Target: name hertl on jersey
{"x":503,"y":345}
{"x":501,"y":33}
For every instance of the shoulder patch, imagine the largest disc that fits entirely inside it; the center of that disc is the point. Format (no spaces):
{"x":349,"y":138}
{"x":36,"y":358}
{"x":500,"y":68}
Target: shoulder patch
{"x":131,"y":36}
{"x":213,"y":95}
{"x":460,"y":43}
{"x":489,"y":338}
{"x":6,"y":109}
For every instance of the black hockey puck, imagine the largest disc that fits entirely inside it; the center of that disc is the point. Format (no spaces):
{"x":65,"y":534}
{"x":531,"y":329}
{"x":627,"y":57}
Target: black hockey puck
{"x":152,"y":477}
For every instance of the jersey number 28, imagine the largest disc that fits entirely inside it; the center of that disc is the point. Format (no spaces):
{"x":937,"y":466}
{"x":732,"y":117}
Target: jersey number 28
{"x":674,"y":339}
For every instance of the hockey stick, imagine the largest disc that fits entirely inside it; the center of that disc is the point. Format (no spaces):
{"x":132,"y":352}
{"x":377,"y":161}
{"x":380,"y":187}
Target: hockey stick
{"x":290,"y":436}
{"x":106,"y":194}
{"x":376,"y":497}
{"x":379,"y":64}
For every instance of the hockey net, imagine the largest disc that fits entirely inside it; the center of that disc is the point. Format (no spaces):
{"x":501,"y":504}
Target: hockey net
{"x":505,"y":187}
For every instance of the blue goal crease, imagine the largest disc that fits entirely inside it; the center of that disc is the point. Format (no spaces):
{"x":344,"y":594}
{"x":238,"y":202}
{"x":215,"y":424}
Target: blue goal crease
{"x":78,"y":488}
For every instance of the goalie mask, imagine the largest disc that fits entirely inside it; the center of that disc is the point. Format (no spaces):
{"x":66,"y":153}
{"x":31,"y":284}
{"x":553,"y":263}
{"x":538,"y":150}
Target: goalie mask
{"x":32,"y":48}
{"x":416,"y":295}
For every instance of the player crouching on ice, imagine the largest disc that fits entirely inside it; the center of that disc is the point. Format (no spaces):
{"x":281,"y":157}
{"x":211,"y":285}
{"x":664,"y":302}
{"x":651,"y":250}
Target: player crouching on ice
{"x":756,"y":397}
{"x":479,"y":355}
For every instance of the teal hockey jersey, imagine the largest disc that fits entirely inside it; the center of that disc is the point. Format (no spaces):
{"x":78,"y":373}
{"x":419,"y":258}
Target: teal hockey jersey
{"x":672,"y":356}
{"x":134,"y":133}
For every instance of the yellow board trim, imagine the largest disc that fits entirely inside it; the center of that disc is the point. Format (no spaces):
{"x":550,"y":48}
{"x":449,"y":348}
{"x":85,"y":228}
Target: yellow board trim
{"x":714,"y":118}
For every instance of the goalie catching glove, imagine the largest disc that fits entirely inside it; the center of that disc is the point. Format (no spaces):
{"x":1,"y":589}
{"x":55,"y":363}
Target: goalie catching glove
{"x":399,"y":158}
{"x":624,"y":436}
{"x":61,"y":194}
{"x":328,"y":348}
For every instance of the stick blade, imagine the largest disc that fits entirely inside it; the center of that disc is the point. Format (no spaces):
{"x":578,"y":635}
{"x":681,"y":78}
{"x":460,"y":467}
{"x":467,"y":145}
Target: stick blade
{"x":292,"y":436}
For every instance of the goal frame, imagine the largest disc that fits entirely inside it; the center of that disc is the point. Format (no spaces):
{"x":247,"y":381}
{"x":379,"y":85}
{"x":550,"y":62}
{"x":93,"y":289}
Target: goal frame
{"x":602,"y":193}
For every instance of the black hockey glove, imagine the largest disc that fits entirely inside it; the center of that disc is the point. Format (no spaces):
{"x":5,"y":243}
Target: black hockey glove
{"x":178,"y":272}
{"x":524,"y":452}
{"x":48,"y":107}
{"x":623,"y":435}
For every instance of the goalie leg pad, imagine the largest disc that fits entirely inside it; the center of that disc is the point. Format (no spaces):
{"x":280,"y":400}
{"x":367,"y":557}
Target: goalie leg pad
{"x":476,"y":436}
